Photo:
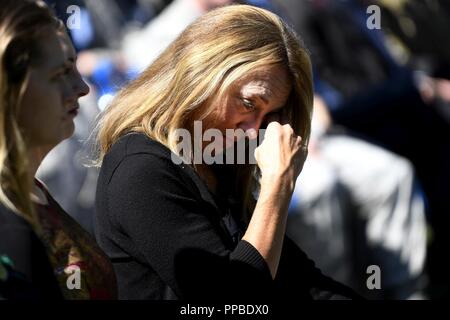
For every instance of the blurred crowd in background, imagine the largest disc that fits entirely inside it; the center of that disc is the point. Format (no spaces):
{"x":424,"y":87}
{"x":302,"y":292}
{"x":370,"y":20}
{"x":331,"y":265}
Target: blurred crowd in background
{"x":375,"y":189}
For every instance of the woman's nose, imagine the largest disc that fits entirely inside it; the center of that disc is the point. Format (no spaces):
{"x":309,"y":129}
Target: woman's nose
{"x":78,"y":88}
{"x":81,"y":87}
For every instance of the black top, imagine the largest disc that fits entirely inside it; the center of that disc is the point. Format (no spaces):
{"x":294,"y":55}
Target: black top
{"x":30,"y":275}
{"x":167,"y":238}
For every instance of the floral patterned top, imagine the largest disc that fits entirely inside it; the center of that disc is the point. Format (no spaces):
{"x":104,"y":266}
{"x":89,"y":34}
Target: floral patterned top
{"x":80,"y":267}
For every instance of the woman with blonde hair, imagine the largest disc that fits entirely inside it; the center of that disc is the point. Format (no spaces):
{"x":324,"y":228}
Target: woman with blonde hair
{"x":176,"y":226}
{"x":46,"y":253}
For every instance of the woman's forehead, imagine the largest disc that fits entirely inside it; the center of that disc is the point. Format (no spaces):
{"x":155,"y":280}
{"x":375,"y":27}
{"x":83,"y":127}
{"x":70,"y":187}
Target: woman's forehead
{"x":265,"y":81}
{"x":56,"y":49}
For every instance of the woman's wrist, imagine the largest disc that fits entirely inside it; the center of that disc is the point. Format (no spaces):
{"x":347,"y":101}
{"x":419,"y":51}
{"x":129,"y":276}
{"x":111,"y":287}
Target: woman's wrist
{"x":277,"y":184}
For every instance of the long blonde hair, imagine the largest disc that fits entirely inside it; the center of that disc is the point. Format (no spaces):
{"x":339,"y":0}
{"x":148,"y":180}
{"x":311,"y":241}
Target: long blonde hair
{"x":212,"y":53}
{"x":22,"y":24}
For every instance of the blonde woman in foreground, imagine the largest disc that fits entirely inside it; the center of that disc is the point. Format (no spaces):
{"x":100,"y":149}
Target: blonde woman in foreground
{"x":179,"y":227}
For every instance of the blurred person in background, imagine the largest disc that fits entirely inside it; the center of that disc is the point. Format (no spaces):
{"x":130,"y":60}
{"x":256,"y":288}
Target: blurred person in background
{"x":358,"y":205}
{"x":103,"y":23}
{"x":382,"y":92}
{"x":142,"y":46}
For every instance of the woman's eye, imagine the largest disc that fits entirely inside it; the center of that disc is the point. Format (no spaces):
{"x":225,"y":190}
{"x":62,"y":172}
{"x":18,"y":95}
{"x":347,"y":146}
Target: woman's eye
{"x":248,"y":104}
{"x":62,"y":73}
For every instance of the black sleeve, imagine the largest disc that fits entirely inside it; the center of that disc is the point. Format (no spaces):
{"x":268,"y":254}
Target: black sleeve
{"x":177,"y":235}
{"x":16,"y":244}
{"x":298,"y":278}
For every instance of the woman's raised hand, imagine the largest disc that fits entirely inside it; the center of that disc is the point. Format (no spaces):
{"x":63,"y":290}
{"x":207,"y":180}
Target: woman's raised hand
{"x":281,"y":155}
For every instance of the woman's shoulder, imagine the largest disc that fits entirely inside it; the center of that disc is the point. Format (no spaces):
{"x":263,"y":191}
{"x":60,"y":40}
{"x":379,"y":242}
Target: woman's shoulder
{"x":136,"y":159}
{"x":138,"y":143}
{"x":136,"y":147}
{"x":137,"y":156}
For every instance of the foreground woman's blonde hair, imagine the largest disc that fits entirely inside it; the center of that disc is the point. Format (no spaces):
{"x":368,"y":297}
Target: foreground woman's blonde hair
{"x":22,"y":25}
{"x":213,"y":52}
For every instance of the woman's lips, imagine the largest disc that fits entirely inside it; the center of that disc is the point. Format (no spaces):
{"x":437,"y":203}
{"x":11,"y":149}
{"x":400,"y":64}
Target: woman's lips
{"x":74,"y":111}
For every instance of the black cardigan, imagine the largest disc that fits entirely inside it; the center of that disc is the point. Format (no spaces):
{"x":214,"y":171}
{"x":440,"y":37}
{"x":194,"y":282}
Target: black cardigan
{"x":168,"y":239}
